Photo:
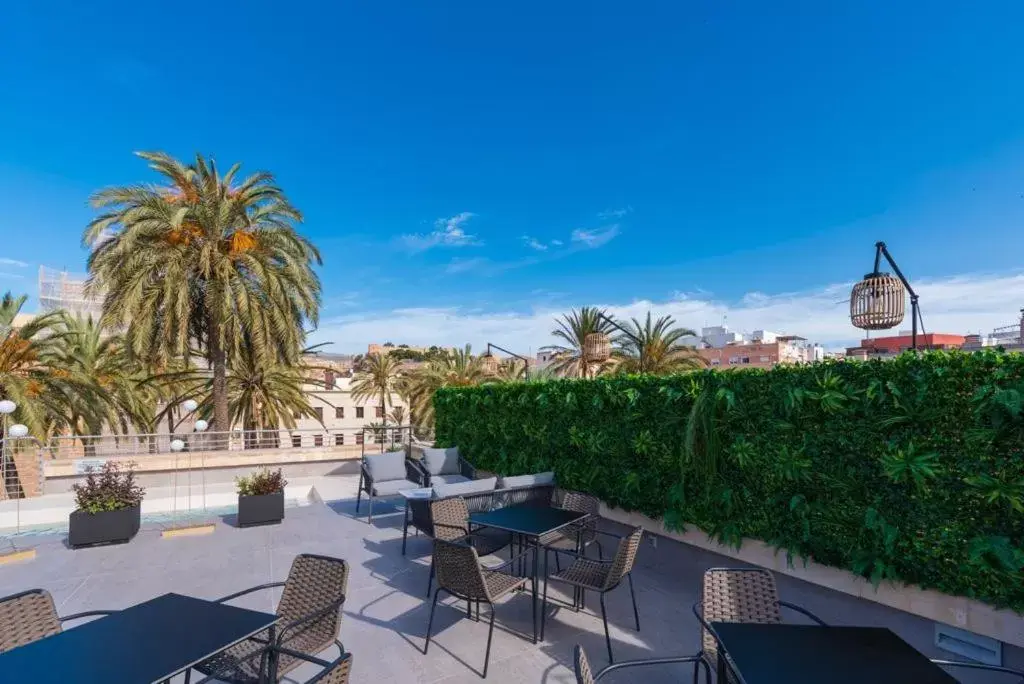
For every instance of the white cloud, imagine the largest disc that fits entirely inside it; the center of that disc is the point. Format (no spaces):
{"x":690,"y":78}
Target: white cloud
{"x":4,"y":261}
{"x":457,"y":265}
{"x":11,"y":276}
{"x":534,"y":243}
{"x":614,"y":213}
{"x":557,"y":243}
{"x":448,"y":232}
{"x":956,"y":304}
{"x":591,"y":239}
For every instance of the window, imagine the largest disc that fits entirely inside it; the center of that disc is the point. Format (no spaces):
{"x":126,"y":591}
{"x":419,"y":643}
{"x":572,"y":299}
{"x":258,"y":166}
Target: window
{"x":746,"y":359}
{"x":359,"y":411}
{"x":296,"y":440}
{"x":339,"y":412}
{"x":339,"y":439}
{"x":734,"y":359}
{"x":765,"y":359}
{"x":319,"y":411}
{"x":379,"y":410}
{"x":318,"y":440}
{"x":716,"y":362}
{"x":359,"y":438}
{"x":328,"y":379}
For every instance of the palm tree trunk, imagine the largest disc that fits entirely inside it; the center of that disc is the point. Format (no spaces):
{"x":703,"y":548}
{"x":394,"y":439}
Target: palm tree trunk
{"x":384,"y":421}
{"x":218,"y":359}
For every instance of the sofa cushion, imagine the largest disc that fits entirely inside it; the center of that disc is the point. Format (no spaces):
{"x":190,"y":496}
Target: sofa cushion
{"x":441,"y":461}
{"x":461,"y":488}
{"x":510,"y":481}
{"x":390,"y":487}
{"x":448,"y":479}
{"x":387,"y":466}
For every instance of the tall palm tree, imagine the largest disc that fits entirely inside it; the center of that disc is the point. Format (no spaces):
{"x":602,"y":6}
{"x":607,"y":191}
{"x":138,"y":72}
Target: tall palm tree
{"x":31,"y":373}
{"x":205,"y":259}
{"x":378,"y":376}
{"x":573,"y":329}
{"x":457,"y":368}
{"x":654,"y":347}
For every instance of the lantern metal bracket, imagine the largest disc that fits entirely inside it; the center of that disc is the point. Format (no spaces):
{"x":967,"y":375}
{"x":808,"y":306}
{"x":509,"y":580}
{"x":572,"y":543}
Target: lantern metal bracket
{"x":636,"y":340}
{"x":521,"y":358}
{"x":915,"y":311}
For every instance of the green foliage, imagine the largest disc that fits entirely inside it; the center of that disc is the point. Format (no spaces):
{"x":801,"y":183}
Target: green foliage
{"x":110,"y":489}
{"x":260,"y":482}
{"x":910,"y":469}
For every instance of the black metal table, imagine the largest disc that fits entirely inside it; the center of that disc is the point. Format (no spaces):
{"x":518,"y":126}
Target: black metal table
{"x":530,"y":523}
{"x":799,"y":654}
{"x":147,"y":643}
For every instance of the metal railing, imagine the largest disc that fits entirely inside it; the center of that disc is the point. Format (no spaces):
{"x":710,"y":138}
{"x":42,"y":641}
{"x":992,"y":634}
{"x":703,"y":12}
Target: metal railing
{"x":347,"y":440}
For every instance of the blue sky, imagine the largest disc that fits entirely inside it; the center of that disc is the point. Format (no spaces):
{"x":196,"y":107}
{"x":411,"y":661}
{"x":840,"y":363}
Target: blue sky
{"x":471,"y":169}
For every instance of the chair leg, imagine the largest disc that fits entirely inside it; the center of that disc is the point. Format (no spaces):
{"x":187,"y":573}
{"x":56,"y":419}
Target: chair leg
{"x":632,"y":594}
{"x":369,"y":518}
{"x":544,"y":606}
{"x":607,"y":635}
{"x":430,"y":580}
{"x":558,"y":561}
{"x":405,"y":527}
{"x":430,"y":622}
{"x":707,"y":670}
{"x":359,"y":493}
{"x":600,"y":551}
{"x":490,"y":635}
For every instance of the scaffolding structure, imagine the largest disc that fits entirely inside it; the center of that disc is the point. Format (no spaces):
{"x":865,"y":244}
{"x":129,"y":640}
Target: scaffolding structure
{"x":64,"y":290}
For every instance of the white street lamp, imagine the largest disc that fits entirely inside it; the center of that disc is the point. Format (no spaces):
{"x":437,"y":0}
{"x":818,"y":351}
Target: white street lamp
{"x":201,"y":425}
{"x":190,"y":405}
{"x":177,"y":445}
{"x":18,"y":431}
{"x":7,"y":407}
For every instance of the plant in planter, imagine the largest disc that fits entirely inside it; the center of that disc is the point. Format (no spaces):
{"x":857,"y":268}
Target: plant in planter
{"x":261,"y":497}
{"x":108,"y":507}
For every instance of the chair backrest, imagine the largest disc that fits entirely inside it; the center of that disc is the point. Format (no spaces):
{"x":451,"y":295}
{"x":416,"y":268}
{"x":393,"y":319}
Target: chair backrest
{"x":337,"y":672}
{"x":583,"y":503}
{"x":458,"y":570}
{"x":450,"y":517}
{"x":625,"y":556}
{"x":313,"y":584}
{"x":27,"y":617}
{"x":584,"y":675}
{"x":738,"y":595}
{"x":538,"y":495}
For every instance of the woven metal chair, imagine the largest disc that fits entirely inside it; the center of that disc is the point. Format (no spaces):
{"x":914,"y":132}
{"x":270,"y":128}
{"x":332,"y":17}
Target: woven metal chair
{"x":337,"y":672}
{"x":460,"y":574}
{"x":600,"y":576}
{"x":738,"y":595}
{"x":451,"y":522}
{"x":586,"y":675}
{"x":309,"y":609}
{"x":579,"y":536}
{"x":31,"y":616}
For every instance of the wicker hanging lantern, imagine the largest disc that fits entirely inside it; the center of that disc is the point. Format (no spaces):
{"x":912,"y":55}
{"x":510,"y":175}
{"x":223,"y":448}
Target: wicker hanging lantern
{"x":597,"y":347}
{"x":491,"y":363}
{"x":877,"y":302}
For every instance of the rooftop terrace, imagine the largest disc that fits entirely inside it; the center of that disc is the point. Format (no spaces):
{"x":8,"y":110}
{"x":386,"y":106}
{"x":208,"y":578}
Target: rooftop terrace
{"x":385,"y":614}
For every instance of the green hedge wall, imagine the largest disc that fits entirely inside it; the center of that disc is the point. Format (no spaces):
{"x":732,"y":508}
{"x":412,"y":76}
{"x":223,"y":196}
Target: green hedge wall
{"x":910,"y":469}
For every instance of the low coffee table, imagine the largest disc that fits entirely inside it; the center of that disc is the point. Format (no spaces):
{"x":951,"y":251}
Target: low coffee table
{"x":418,"y":494}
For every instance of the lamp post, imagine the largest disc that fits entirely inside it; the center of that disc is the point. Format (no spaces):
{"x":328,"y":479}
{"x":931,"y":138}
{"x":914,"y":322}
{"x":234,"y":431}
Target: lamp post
{"x":7,"y":407}
{"x":877,"y":302}
{"x":489,"y":359}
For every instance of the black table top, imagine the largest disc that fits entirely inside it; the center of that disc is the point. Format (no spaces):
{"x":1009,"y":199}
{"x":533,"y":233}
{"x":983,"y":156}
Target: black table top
{"x":532,"y":521}
{"x":148,"y":642}
{"x":798,"y":654}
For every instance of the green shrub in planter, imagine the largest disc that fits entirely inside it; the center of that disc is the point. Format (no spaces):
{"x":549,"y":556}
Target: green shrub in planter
{"x":261,"y":497}
{"x":108,"y":507}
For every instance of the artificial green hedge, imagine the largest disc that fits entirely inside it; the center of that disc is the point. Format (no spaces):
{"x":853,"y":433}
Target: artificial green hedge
{"x":910,"y":469}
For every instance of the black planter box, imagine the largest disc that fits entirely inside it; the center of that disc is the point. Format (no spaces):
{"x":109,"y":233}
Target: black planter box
{"x":262,"y":509}
{"x":106,"y":527}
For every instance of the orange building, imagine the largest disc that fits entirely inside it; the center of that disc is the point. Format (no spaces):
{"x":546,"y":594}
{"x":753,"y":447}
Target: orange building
{"x":890,"y":346}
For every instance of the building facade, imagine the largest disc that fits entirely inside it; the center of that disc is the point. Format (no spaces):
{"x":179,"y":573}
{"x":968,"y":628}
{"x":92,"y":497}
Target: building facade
{"x":893,"y":345}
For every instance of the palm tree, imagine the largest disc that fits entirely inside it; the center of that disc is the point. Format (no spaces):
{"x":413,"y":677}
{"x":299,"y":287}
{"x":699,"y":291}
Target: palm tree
{"x":458,"y":368}
{"x":31,"y":373}
{"x":203,"y":259}
{"x":120,"y":399}
{"x":654,"y":347}
{"x":378,"y":375}
{"x":511,"y":370}
{"x":573,"y":329}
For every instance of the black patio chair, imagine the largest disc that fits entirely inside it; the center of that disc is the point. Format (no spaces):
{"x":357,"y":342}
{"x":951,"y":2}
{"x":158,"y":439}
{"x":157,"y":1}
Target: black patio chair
{"x":310,"y":612}
{"x":586,"y":675}
{"x":981,"y":666}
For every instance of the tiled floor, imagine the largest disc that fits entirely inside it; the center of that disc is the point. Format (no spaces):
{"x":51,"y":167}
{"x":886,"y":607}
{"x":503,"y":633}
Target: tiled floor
{"x":385,"y":615}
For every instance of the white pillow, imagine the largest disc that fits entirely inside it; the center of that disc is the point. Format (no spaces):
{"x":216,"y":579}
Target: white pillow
{"x":527,"y":480}
{"x":461,"y":488}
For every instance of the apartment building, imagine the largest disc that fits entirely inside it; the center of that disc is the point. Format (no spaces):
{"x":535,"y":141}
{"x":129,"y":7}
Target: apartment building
{"x":338,"y":417}
{"x":721,"y":347}
{"x":893,"y":345}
